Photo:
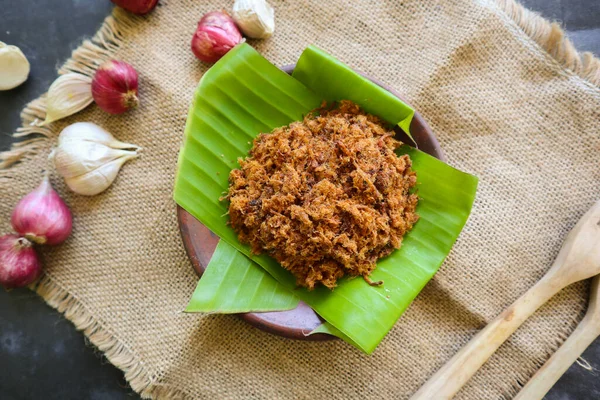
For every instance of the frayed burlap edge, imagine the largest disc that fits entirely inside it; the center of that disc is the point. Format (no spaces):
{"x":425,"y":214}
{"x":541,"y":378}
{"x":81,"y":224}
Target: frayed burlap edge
{"x":521,"y":375}
{"x":551,"y":37}
{"x":86,"y":59}
{"x":116,"y":352}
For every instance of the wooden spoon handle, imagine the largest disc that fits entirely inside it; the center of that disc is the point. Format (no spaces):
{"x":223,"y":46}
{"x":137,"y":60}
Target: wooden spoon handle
{"x":451,"y":377}
{"x":585,"y":333}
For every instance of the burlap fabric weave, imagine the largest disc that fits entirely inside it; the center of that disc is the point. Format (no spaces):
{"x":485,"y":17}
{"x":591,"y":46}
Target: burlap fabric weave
{"x":503,"y":109}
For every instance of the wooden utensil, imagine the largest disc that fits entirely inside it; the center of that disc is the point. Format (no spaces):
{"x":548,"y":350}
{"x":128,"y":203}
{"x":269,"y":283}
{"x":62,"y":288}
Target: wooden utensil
{"x":578,"y":259}
{"x":585,"y":333}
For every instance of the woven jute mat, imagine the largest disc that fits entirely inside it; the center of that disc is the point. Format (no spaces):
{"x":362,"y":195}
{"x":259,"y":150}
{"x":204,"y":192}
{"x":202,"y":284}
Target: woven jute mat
{"x":510,"y":100}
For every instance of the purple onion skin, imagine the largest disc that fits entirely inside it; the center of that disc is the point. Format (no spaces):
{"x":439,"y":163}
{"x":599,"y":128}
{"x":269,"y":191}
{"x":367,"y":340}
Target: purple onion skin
{"x":139,"y":7}
{"x":19,"y":263}
{"x":216,"y":34}
{"x":42,"y":216}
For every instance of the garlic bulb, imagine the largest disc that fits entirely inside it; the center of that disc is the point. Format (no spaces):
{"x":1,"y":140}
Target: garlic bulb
{"x":87,"y":131}
{"x":89,"y":158}
{"x":68,"y":94}
{"x":255,"y":18}
{"x":14,"y":67}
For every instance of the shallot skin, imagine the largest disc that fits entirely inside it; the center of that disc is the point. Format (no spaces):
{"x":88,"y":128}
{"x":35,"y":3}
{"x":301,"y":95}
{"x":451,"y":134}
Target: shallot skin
{"x":139,"y":7}
{"x":19,"y":263}
{"x":115,"y":87}
{"x":216,"y":35}
{"x":42,"y":216}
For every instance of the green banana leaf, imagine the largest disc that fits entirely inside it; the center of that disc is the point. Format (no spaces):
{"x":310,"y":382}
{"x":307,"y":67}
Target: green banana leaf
{"x":329,"y":78}
{"x":329,"y":329}
{"x":233,"y":284}
{"x":243,"y":95}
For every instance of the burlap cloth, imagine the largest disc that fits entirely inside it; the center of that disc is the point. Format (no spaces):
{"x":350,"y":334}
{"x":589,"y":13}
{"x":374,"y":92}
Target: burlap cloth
{"x":510,"y":101}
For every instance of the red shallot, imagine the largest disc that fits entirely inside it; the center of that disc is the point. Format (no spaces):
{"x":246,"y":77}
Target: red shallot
{"x":19,"y":263}
{"x":139,"y":7}
{"x":115,"y":87}
{"x":42,"y":216}
{"x":215,"y":36}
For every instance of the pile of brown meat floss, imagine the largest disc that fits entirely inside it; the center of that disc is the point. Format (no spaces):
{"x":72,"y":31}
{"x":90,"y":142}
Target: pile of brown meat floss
{"x":326,"y":197}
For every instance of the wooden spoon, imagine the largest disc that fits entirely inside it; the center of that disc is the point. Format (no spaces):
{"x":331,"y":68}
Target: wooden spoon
{"x":578,"y":259}
{"x":587,"y":331}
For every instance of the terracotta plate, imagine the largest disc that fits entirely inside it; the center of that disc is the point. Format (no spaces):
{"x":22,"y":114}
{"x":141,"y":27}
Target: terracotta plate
{"x":200,"y":244}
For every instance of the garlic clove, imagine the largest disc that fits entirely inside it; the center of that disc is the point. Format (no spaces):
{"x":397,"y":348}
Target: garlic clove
{"x":68,"y":94}
{"x":115,"y":144}
{"x":73,"y":158}
{"x":89,"y":158}
{"x":14,"y":67}
{"x":87,"y":131}
{"x":99,"y":179}
{"x":256,"y":18}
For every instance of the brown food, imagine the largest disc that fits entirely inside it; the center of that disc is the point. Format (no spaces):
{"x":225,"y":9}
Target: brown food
{"x":326,"y":197}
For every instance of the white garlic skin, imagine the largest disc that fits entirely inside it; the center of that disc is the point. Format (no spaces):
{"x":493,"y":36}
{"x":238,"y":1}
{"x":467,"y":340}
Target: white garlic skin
{"x":98,"y":180}
{"x":255,"y":18}
{"x":14,"y":67}
{"x":89,"y":158}
{"x":89,"y":131}
{"x":68,"y":94}
{"x":77,"y":158}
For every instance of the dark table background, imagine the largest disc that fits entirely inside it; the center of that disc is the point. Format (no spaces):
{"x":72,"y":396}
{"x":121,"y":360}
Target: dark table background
{"x":42,"y":356}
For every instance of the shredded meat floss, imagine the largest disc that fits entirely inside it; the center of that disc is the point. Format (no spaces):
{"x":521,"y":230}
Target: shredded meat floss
{"x":326,"y":197}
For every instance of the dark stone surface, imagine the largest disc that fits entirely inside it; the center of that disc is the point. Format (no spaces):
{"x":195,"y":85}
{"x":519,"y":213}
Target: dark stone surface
{"x":42,"y":356}
{"x":581,"y":19}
